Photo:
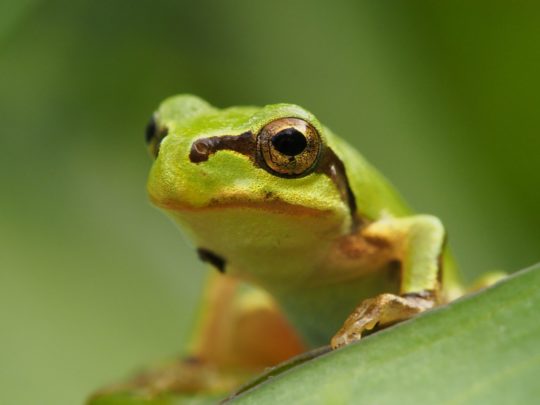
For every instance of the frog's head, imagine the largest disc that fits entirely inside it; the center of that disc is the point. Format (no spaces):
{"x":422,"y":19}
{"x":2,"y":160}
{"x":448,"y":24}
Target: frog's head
{"x":247,"y":177}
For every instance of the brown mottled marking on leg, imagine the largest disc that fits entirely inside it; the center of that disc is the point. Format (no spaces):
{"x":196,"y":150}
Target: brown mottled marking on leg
{"x":378,"y":241}
{"x":384,"y":309}
{"x":359,"y":245}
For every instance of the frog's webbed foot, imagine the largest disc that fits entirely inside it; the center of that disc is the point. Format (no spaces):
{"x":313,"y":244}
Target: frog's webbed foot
{"x":190,"y":375}
{"x":187,"y":377}
{"x":382,"y":310}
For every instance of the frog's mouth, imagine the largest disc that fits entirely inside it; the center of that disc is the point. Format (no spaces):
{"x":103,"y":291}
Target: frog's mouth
{"x":270,"y":204}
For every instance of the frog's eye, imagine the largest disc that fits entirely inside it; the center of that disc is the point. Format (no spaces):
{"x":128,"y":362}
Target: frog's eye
{"x":154,"y":134}
{"x":289,"y":147}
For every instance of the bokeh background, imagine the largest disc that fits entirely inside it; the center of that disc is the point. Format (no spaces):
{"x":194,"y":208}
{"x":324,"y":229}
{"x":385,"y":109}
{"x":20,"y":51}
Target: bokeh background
{"x":443,"y":97}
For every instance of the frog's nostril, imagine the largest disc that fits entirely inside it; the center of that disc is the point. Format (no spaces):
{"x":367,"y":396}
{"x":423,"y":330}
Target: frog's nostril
{"x":200,"y":150}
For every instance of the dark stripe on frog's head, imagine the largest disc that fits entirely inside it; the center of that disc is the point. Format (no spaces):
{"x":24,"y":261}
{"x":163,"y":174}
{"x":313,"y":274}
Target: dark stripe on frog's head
{"x":332,"y":166}
{"x":246,"y":144}
{"x":212,"y":258}
{"x":203,"y":148}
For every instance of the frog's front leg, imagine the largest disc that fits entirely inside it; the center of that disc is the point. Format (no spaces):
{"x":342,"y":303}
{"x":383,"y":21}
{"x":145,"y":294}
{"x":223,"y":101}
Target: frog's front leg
{"x":417,"y":244}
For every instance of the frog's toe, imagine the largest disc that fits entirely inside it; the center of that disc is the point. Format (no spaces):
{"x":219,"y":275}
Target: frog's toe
{"x":365,"y":317}
{"x":384,"y":309}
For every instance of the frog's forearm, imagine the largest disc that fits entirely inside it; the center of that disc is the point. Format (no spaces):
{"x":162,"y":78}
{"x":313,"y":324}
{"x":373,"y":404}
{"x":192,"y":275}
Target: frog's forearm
{"x":418,"y":243}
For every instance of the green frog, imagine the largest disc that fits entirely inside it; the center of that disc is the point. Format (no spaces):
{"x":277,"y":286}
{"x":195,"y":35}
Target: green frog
{"x":311,"y":245}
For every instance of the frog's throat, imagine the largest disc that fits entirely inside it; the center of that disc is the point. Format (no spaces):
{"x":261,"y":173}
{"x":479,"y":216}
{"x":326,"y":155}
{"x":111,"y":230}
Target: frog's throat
{"x":329,"y":163}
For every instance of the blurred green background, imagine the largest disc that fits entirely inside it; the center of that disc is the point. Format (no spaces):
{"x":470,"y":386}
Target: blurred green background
{"x":443,"y":97}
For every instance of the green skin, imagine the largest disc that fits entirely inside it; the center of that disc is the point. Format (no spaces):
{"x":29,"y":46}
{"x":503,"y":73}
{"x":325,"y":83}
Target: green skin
{"x":281,"y":233}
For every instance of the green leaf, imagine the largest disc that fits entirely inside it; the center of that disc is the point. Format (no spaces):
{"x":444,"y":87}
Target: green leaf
{"x":482,"y":349}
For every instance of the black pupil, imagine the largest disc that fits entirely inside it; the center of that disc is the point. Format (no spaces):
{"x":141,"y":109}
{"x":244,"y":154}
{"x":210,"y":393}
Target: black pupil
{"x":290,"y":141}
{"x":150,"y":130}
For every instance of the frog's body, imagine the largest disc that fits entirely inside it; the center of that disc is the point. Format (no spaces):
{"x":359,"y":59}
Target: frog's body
{"x":301,"y":227}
